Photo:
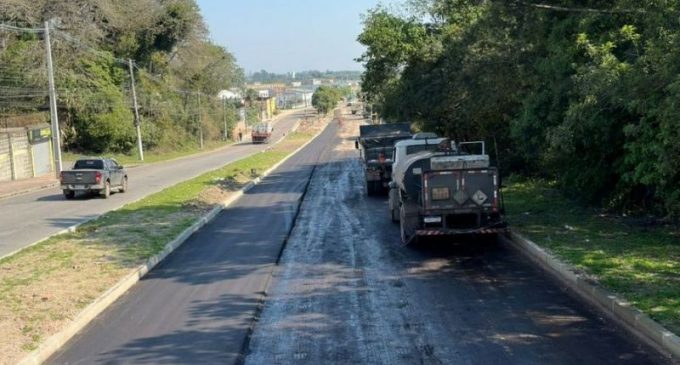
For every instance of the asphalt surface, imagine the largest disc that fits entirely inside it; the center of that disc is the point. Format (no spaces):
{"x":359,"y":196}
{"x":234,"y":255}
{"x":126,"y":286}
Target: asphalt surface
{"x":28,"y":218}
{"x":198,"y":305}
{"x":347,"y":292}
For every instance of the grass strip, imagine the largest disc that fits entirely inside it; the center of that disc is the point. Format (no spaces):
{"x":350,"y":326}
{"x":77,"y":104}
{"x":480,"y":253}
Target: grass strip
{"x":636,"y":260}
{"x":46,"y":285}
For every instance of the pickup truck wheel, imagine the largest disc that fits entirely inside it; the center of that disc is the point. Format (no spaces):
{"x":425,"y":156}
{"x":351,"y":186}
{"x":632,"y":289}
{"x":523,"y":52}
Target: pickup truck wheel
{"x":106,"y":192}
{"x":69,"y":194}
{"x":124,"y":186}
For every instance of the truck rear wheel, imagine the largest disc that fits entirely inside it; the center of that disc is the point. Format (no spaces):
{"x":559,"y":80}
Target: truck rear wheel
{"x":407,"y":228}
{"x":69,"y":194}
{"x":371,"y":188}
{"x":106,"y":192}
{"x":395,"y":215}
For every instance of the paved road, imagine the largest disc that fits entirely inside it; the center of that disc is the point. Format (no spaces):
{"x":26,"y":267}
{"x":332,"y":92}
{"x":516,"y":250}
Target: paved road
{"x":198,"y":305}
{"x":28,"y":218}
{"x":346,"y":292}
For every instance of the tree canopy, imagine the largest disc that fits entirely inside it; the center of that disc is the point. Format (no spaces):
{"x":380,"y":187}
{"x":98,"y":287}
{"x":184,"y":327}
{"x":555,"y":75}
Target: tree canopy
{"x":585,"y":93}
{"x":176,"y":65}
{"x":325,"y":98}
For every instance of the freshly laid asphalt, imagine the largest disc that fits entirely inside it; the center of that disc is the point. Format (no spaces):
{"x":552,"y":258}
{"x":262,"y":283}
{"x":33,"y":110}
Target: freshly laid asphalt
{"x":197,"y":306}
{"x":345,"y":291}
{"x":28,"y":218}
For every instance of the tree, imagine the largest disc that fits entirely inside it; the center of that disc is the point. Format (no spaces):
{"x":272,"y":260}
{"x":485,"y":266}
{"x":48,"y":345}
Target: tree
{"x":326,"y":98}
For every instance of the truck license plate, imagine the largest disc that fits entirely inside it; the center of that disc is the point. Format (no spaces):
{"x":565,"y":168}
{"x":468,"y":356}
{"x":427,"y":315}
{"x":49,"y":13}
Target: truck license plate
{"x":77,"y":187}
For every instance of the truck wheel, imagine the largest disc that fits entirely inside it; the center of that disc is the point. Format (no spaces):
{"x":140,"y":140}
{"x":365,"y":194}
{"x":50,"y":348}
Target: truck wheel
{"x":124,"y":185}
{"x":106,"y":192}
{"x":370,"y":188}
{"x":408,"y":235}
{"x":69,"y":194}
{"x":395,"y":215}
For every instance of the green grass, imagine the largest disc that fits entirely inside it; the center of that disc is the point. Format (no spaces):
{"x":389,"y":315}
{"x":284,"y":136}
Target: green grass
{"x":150,"y":156}
{"x":638,"y":262}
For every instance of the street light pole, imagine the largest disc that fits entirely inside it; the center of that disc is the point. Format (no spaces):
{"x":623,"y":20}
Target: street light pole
{"x":54,"y":117}
{"x":224,"y":111}
{"x":140,"y":148}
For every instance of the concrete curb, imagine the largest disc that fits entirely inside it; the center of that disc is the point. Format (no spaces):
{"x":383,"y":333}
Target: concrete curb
{"x":55,"y":342}
{"x":622,"y":312}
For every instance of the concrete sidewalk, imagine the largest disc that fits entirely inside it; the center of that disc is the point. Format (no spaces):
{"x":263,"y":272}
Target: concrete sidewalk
{"x":16,"y":187}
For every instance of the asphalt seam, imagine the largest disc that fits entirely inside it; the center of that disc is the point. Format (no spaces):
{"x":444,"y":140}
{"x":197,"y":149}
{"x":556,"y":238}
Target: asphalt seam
{"x":240,"y":360}
{"x":55,"y":342}
{"x":619,"y":310}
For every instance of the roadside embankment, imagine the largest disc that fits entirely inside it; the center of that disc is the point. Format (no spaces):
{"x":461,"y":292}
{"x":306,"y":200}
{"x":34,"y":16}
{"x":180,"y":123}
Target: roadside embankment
{"x":633,"y":258}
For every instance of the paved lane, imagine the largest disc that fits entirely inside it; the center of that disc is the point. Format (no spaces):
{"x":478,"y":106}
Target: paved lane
{"x":28,"y":218}
{"x":198,"y":305}
{"x":346,"y":292}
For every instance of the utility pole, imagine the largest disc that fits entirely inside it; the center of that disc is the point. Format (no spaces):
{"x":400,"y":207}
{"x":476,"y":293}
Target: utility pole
{"x":134,"y":104}
{"x":54,"y":118}
{"x":200,"y":124}
{"x":224,"y":111}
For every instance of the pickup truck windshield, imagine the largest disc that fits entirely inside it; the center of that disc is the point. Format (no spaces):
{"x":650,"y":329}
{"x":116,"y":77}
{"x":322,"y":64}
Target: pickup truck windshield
{"x":89,"y":164}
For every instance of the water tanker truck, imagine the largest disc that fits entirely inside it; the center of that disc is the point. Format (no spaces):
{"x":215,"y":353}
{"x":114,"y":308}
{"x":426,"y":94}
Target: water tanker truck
{"x":447,"y":192}
{"x":376,"y":145}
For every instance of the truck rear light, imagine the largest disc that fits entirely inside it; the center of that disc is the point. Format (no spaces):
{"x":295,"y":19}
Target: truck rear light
{"x":98,"y":177}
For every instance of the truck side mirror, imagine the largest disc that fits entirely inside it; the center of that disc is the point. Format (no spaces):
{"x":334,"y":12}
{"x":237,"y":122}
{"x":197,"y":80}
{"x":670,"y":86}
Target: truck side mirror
{"x":356,"y":145}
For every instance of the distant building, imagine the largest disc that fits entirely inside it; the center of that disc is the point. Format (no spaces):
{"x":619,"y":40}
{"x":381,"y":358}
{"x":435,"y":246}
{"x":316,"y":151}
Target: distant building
{"x":229,"y":95}
{"x":296,"y":84}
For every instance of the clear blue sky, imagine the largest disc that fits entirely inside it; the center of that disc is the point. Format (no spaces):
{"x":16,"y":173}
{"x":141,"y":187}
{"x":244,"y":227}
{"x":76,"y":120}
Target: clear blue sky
{"x":288,"y":35}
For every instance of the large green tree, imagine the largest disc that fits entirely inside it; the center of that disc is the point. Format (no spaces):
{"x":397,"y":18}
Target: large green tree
{"x":581,"y":92}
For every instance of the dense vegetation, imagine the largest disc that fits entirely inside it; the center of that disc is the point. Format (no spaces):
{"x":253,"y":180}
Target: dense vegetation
{"x":178,"y":71}
{"x":325,"y":98}
{"x":584,"y":92}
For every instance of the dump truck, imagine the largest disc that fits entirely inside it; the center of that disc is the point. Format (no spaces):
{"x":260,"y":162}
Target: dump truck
{"x":376,"y":146}
{"x":262,"y":132}
{"x":447,"y":192}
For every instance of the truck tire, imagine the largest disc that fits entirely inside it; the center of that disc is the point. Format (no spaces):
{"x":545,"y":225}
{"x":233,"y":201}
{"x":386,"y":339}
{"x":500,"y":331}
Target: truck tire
{"x":395,"y":215}
{"x":106,"y":192}
{"x":407,"y":227}
{"x":370,"y":188}
{"x":69,"y":194}
{"x":124,"y":185}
